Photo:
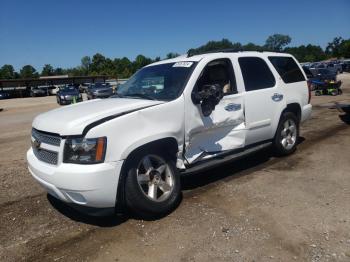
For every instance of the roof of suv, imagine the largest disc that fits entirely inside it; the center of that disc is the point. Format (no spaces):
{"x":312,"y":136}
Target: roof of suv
{"x":196,"y":58}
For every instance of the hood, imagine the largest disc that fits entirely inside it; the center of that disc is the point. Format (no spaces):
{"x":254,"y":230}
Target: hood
{"x":102,"y":89}
{"x":72,"y":119}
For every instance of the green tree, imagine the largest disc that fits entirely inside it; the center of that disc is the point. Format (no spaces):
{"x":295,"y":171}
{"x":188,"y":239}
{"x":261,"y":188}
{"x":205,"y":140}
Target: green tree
{"x":97,"y":63}
{"x":47,"y":70}
{"x":277,"y":42}
{"x":333,"y":48}
{"x":252,"y":47}
{"x":85,"y":64}
{"x":309,"y":53}
{"x":58,"y":71}
{"x":123,"y":67}
{"x":172,"y":55}
{"x":7,"y":72}
{"x":215,"y":45}
{"x":141,"y":61}
{"x":344,"y":49}
{"x":28,"y":71}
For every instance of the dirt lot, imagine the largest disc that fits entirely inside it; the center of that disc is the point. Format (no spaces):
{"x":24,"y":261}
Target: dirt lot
{"x":260,"y":209}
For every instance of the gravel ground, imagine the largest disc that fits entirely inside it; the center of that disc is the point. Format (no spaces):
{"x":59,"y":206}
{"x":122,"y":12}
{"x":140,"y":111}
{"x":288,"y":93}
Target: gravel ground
{"x":261,"y":209}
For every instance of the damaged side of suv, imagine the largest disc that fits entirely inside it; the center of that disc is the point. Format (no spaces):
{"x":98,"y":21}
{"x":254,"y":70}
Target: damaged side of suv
{"x":174,"y":116}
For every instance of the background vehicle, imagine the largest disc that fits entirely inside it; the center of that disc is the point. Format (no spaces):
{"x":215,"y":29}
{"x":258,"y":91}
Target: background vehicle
{"x":172,"y":117}
{"x":335,"y":68}
{"x":328,"y":88}
{"x":68,"y":94}
{"x":346,"y":66}
{"x":84,"y":87}
{"x":308,"y":72}
{"x":325,"y":74}
{"x":4,"y":95}
{"x":52,"y":90}
{"x":99,"y":90}
{"x":37,"y":91}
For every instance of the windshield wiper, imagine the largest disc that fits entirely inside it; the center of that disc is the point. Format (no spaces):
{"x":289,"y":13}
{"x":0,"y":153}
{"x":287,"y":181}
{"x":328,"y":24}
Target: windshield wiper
{"x":140,"y":96}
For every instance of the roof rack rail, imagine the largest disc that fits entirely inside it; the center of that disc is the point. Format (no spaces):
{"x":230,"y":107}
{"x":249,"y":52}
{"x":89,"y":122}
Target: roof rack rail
{"x":227,"y":50}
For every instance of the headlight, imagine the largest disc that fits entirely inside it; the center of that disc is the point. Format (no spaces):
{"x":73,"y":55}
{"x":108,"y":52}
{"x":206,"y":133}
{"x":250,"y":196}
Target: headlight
{"x":85,"y":150}
{"x":62,"y":97}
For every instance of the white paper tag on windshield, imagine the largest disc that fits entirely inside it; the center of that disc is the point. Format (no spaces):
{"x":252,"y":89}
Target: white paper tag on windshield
{"x":183,"y":64}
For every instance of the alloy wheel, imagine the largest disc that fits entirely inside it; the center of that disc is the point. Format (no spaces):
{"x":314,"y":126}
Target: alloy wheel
{"x":288,"y":134}
{"x":155,"y":178}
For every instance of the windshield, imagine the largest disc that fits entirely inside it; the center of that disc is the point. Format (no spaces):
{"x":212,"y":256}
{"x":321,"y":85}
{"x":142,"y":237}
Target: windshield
{"x":159,"y":82}
{"x":99,"y":85}
{"x":323,"y":71}
{"x":68,"y":88}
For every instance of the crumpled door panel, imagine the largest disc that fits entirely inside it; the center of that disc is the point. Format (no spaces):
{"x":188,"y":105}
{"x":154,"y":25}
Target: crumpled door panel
{"x":223,"y":130}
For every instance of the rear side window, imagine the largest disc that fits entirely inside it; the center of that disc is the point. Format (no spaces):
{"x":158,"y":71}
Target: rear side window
{"x":287,"y":69}
{"x":256,"y":73}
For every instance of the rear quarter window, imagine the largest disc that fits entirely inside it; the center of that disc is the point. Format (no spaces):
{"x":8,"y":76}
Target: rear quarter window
{"x":287,"y":68}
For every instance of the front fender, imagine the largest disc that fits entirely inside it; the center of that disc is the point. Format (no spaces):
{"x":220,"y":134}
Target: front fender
{"x":128,"y":132}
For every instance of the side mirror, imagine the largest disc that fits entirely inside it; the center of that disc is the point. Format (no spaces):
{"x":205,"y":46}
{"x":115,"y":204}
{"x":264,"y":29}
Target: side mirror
{"x":208,"y":97}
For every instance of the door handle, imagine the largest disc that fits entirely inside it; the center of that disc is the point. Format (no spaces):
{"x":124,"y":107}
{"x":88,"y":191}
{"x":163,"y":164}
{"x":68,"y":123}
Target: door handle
{"x":277,"y":97}
{"x":233,"y":107}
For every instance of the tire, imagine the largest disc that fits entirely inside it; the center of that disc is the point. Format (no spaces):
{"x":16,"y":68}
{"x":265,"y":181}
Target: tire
{"x":340,"y":92}
{"x":317,"y":93}
{"x":287,"y":134}
{"x":334,"y":92}
{"x":152,"y":184}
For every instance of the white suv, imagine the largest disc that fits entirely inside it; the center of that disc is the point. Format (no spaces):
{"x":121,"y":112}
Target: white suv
{"x":172,"y":117}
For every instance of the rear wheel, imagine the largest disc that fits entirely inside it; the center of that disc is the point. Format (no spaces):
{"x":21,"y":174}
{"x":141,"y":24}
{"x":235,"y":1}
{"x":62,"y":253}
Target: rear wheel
{"x":286,"y":138}
{"x":334,"y":92}
{"x":152,"y":185}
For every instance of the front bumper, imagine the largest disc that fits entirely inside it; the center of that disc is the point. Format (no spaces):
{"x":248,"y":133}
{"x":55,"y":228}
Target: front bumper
{"x":86,"y":185}
{"x":70,"y":101}
{"x":98,"y":96}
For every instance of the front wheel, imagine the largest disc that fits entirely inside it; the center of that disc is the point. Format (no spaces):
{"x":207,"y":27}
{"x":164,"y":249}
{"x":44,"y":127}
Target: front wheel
{"x":152,"y":185}
{"x":286,"y":137}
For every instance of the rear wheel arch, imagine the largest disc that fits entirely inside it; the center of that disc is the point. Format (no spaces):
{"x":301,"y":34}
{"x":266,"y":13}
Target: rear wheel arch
{"x":287,"y":134}
{"x":293,"y":108}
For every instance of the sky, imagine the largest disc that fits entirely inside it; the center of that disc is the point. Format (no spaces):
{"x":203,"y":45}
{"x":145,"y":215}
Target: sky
{"x":60,"y":33}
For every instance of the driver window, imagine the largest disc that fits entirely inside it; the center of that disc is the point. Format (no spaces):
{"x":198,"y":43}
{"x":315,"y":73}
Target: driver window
{"x":219,"y":72}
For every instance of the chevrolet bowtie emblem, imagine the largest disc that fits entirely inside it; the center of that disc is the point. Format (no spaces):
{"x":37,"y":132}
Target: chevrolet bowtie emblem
{"x":36,"y":144}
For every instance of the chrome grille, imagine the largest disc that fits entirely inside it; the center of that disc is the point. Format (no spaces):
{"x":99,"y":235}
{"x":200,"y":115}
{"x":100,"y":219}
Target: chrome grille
{"x":46,"y":156}
{"x":45,"y":138}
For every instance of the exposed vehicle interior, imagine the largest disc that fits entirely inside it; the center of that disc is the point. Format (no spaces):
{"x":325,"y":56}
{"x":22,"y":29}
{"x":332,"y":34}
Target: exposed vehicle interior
{"x":218,"y":72}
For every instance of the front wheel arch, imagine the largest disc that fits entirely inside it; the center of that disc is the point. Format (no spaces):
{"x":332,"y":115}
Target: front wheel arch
{"x":168,"y":145}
